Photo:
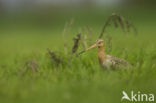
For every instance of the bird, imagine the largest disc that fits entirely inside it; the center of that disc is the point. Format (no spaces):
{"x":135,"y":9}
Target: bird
{"x":108,"y":61}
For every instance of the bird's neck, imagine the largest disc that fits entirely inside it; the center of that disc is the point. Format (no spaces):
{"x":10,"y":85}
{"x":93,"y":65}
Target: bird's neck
{"x":101,"y":50}
{"x":101,"y":54}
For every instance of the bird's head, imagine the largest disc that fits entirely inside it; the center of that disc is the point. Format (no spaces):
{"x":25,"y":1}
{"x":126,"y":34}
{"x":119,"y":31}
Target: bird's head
{"x":99,"y":43}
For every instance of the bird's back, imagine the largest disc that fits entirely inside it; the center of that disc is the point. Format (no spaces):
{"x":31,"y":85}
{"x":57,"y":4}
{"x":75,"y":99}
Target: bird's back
{"x":115,"y":63}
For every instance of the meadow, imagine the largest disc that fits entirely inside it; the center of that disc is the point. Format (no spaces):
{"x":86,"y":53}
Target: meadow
{"x":84,"y":81}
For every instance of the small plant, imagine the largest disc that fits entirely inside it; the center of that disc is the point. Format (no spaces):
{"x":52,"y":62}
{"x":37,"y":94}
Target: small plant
{"x":87,"y":36}
{"x":90,"y":34}
{"x":84,"y":39}
{"x":30,"y":65}
{"x":76,"y":44}
{"x":55,"y":58}
{"x":118,"y":21}
{"x":75,"y":47}
{"x":109,"y":43}
{"x":66,"y":30}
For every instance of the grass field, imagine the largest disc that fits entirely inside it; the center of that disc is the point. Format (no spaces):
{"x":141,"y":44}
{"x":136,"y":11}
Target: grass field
{"x":84,"y":81}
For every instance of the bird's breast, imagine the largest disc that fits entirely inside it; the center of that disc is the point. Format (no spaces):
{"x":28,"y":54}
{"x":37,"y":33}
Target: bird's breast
{"x":105,"y":62}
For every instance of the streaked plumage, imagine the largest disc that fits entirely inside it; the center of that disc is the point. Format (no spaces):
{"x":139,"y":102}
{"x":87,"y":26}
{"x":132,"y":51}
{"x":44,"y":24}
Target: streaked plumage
{"x":107,"y":61}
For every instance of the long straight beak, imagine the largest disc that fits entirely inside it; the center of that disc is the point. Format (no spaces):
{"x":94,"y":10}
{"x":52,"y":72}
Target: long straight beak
{"x":93,"y":46}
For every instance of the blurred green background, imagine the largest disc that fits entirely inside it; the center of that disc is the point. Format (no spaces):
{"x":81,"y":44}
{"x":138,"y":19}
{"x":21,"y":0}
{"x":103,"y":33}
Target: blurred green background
{"x":29,"y":27}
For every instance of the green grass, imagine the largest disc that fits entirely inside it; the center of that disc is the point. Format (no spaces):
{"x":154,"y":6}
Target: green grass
{"x":84,"y":81}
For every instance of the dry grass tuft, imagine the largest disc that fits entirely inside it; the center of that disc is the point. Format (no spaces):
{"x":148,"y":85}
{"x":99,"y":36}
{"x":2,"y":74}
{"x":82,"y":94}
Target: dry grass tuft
{"x":76,"y":44}
{"x":55,"y":58}
{"x":118,"y":21}
{"x":66,"y":30}
{"x":109,"y":43}
{"x":75,"y":47}
{"x":90,"y":33}
{"x":30,"y":65}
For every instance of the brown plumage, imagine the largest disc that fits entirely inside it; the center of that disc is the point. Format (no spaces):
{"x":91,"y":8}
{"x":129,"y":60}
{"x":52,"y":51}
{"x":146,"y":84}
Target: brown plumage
{"x":107,"y":61}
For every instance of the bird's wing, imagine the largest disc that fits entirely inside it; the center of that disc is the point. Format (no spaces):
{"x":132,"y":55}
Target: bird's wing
{"x":119,"y":62}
